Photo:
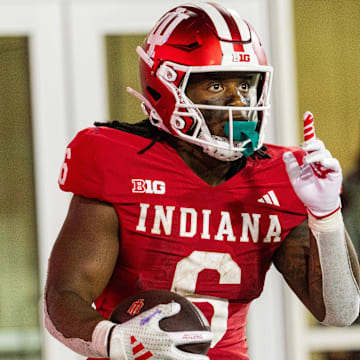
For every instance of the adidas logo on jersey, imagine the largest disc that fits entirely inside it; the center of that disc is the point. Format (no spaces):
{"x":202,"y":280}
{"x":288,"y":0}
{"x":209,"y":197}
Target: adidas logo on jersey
{"x":269,"y":198}
{"x":137,"y":348}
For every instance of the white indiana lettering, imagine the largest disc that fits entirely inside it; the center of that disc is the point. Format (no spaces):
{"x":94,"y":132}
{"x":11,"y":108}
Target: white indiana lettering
{"x":165,"y":220}
{"x":206,"y":216}
{"x":274,"y":230}
{"x":184,"y":212}
{"x":225,"y":227}
{"x":142,"y":217}
{"x":189,"y":220}
{"x":252,"y":226}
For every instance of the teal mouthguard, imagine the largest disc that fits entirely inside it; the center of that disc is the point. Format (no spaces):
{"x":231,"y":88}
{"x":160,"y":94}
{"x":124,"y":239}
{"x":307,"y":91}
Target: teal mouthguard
{"x":242,"y":131}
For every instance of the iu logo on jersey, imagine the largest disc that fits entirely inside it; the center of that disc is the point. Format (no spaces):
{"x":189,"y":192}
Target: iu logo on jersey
{"x":135,"y":307}
{"x":148,"y":186}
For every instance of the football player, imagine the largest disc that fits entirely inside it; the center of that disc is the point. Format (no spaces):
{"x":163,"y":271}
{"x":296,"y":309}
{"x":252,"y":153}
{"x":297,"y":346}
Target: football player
{"x":191,"y":200}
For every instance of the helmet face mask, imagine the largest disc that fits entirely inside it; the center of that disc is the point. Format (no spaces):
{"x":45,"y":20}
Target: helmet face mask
{"x":191,"y":50}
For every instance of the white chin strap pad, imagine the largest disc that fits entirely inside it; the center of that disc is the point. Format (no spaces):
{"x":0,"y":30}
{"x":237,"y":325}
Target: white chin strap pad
{"x":340,"y":289}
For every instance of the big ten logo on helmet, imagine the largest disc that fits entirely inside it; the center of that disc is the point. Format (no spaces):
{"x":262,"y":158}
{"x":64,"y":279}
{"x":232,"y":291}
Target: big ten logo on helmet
{"x":148,"y":186}
{"x":135,"y":307}
{"x":240,"y":57}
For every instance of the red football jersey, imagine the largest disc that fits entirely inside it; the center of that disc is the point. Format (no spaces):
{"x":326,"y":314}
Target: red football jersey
{"x":212,"y":244}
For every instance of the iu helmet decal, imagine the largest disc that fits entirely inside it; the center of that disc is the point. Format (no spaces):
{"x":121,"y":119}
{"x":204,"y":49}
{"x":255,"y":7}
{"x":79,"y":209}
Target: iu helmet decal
{"x":204,"y":38}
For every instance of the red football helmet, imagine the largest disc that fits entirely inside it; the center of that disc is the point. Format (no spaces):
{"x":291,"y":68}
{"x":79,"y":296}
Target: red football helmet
{"x":204,"y":38}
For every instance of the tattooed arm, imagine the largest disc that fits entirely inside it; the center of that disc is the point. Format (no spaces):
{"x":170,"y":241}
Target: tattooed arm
{"x":297,"y":260}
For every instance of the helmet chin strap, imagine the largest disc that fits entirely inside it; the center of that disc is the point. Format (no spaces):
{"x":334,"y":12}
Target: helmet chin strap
{"x":220,"y":153}
{"x":218,"y":146}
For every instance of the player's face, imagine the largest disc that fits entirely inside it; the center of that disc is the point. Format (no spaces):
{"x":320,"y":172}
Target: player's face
{"x":222,"y":89}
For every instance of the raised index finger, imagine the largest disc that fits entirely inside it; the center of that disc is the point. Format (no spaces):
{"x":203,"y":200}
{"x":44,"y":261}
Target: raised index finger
{"x":309,"y":128}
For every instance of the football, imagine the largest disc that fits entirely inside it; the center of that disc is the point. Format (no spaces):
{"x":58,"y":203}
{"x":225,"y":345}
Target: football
{"x":190,"y":318}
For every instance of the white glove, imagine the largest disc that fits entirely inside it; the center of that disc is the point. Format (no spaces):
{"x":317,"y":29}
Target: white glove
{"x":317,"y":183}
{"x":142,"y":338}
